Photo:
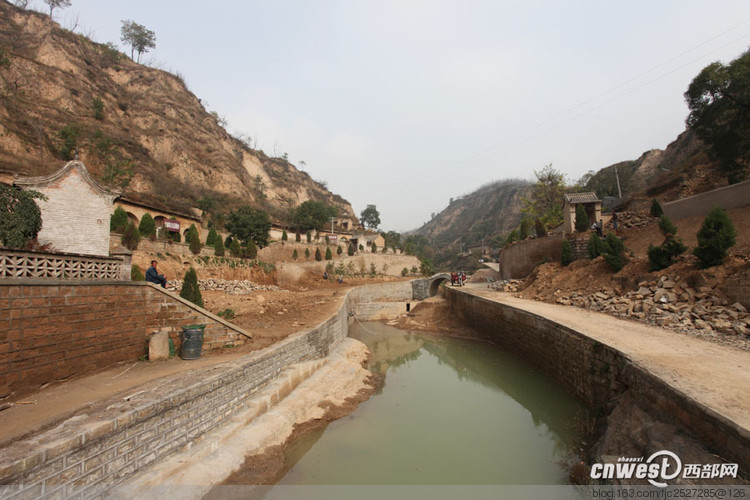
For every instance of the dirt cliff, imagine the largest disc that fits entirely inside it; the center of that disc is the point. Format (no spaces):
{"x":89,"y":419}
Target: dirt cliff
{"x":60,"y":91}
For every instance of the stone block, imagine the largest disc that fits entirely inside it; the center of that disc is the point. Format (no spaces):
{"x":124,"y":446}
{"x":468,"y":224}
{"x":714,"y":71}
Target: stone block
{"x":158,"y":346}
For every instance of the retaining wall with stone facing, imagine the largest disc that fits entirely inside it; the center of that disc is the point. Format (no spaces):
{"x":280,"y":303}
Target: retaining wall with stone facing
{"x":53,"y":329}
{"x":597,"y":373}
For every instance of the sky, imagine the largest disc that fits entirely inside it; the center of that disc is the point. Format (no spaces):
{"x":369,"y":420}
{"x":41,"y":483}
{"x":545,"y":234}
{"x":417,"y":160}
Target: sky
{"x":405,"y":104}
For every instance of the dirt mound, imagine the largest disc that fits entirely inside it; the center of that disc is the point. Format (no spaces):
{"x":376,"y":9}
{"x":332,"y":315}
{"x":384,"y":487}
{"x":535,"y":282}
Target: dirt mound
{"x":484,"y":276}
{"x":432,"y":315}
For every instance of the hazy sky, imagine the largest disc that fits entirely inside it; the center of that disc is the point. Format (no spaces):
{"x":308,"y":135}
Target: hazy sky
{"x":405,"y":104}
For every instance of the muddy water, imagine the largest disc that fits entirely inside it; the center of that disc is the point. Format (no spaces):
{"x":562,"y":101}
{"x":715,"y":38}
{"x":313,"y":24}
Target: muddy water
{"x":450,"y":412}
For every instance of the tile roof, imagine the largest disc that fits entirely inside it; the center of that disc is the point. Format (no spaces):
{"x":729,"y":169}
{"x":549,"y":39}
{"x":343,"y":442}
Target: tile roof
{"x":574,"y":198}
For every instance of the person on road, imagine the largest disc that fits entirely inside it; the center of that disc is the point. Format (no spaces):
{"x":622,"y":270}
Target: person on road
{"x":153,"y":276}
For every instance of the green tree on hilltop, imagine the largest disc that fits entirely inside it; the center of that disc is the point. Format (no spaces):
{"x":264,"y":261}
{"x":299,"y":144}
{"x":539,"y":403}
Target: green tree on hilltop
{"x":546,"y":200}
{"x":370,"y":217}
{"x":138,"y":37}
{"x":715,"y":237}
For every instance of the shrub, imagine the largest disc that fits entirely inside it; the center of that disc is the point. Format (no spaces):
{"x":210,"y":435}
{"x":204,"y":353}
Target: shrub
{"x":663,"y":256}
{"x":350,"y":250}
{"x":136,"y":274}
{"x":613,"y":252}
{"x":656,"y":210}
{"x":426,"y":267}
{"x":308,"y":235}
{"x":374,"y":247}
{"x":219,"y":249}
{"x":339,"y":251}
{"x":131,"y":237}
{"x":193,"y":239}
{"x":118,"y":221}
{"x":235,"y":249}
{"x":295,"y":255}
{"x":284,"y":236}
{"x":566,"y":252}
{"x":523,"y":229}
{"x":329,"y":255}
{"x":190,"y":290}
{"x":175,"y":236}
{"x":228,"y":242}
{"x":226,"y":313}
{"x":404,"y":272}
{"x":250,"y":251}
{"x":541,"y":231}
{"x":715,"y":237}
{"x":212,"y":238}
{"x":595,"y":246}
{"x":297,"y":237}
{"x":414,"y":270}
{"x":361,"y":248}
{"x":67,"y":141}
{"x":582,"y":220}
{"x":318,"y":256}
{"x":98,"y":107}
{"x":307,"y":253}
{"x":147,"y":227}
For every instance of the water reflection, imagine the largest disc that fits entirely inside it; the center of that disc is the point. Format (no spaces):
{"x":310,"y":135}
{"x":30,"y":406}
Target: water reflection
{"x":450,"y":412}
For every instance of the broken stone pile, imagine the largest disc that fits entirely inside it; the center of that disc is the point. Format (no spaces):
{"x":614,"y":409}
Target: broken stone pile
{"x":232,"y":287}
{"x":670,"y":303}
{"x":506,"y":285}
{"x":632,"y":219}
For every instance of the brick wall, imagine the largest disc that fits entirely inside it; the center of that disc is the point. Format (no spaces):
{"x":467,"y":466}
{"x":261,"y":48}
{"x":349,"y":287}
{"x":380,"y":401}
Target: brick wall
{"x":53,"y":329}
{"x":597,"y":373}
{"x":520,"y":258}
{"x":579,"y":242}
{"x":85,"y":457}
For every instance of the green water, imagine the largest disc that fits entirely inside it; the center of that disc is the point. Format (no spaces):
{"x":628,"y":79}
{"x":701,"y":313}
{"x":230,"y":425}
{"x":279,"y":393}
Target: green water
{"x":451,"y":412}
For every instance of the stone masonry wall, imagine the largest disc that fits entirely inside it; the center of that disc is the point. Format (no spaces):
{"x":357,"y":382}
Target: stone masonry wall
{"x":728,"y":197}
{"x":595,"y":372}
{"x":53,"y":329}
{"x":87,"y":458}
{"x":518,"y":259}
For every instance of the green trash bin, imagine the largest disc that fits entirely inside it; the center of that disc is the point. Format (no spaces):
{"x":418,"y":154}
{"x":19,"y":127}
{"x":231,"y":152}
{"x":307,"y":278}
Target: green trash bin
{"x":192,"y":341}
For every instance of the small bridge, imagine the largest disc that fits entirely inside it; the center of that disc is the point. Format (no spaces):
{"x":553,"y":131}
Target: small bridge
{"x":428,"y":287}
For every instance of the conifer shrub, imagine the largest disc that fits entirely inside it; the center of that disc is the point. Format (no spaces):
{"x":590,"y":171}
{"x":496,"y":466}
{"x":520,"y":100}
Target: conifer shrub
{"x":613,"y":252}
{"x":405,"y":272}
{"x":212,"y":237}
{"x":318,"y":256}
{"x":541,"y":230}
{"x":193,"y":239}
{"x":656,"y":210}
{"x":295,"y":255}
{"x":284,"y":236}
{"x":175,"y":236}
{"x":307,"y":253}
{"x":374,"y":247}
{"x":235,"y":249}
{"x":118,"y":222}
{"x":136,"y":274}
{"x":190,"y":290}
{"x":339,"y":251}
{"x":595,"y":246}
{"x":219,"y":249}
{"x":329,"y":255}
{"x":566,"y":252}
{"x":308,"y":235}
{"x":297,"y":237}
{"x":582,"y":220}
{"x":250,"y":251}
{"x":147,"y":227}
{"x":663,"y":256}
{"x":131,"y":237}
{"x":715,"y":237}
{"x":228,"y":242}
{"x":350,"y":250}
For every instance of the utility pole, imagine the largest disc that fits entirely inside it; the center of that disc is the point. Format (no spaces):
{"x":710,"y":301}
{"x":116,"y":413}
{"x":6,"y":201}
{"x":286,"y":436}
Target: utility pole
{"x":332,"y":225}
{"x":617,"y":178}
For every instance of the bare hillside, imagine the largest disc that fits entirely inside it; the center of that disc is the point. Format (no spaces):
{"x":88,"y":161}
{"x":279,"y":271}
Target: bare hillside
{"x":60,"y":91}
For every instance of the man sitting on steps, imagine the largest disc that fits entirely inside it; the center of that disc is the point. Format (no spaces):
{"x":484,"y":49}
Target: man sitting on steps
{"x":153,"y":276}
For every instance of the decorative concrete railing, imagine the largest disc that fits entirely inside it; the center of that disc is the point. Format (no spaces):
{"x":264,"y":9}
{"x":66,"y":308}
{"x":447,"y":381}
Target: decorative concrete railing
{"x":22,"y":264}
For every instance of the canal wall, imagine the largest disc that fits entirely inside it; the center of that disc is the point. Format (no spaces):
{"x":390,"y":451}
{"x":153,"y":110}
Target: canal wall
{"x":381,"y":301}
{"x":596,"y":373}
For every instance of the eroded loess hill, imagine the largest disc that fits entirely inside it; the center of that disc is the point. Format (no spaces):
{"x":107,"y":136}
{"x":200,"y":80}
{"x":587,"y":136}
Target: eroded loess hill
{"x":147,"y":119}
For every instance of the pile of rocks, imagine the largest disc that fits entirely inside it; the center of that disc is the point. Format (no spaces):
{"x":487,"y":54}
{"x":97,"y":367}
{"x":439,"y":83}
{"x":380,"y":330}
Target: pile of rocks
{"x":670,"y":303}
{"x":506,"y":285}
{"x":629,"y":220}
{"x":233,"y":287}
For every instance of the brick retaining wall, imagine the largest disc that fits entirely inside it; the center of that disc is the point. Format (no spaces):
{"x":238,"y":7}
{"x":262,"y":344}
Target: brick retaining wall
{"x":597,"y":373}
{"x":87,"y":457}
{"x":53,"y":329}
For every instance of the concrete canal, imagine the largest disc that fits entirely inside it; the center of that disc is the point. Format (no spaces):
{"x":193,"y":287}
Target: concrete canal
{"x":450,"y":412}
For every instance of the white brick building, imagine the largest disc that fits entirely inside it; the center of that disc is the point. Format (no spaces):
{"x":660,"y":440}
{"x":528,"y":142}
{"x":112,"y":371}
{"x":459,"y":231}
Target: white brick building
{"x":75,"y":216}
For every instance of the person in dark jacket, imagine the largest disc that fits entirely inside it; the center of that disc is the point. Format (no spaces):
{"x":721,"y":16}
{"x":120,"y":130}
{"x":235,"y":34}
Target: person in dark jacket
{"x":153,"y":276}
